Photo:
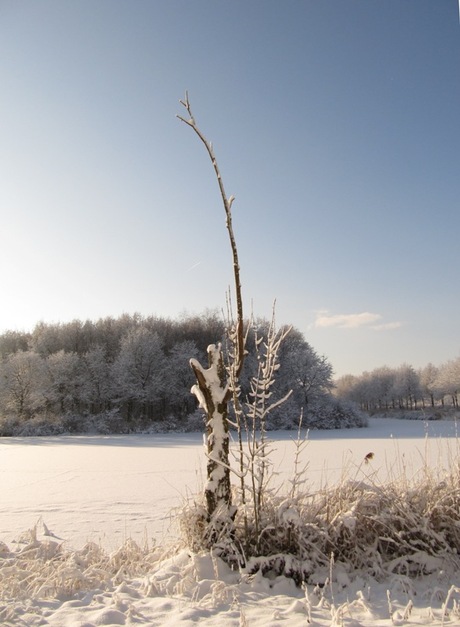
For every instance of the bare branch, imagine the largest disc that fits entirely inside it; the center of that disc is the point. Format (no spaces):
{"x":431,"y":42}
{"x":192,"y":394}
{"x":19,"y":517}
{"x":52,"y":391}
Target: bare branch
{"x":227,"y":202}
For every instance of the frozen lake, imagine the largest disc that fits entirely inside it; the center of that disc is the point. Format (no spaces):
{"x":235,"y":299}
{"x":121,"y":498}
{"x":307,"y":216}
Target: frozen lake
{"x":109,"y":488}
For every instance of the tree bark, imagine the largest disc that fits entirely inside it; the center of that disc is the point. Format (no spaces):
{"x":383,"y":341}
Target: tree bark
{"x":212,"y":393}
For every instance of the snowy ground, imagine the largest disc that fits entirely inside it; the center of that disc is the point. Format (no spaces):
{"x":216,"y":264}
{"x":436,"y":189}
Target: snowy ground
{"x":110,"y":489}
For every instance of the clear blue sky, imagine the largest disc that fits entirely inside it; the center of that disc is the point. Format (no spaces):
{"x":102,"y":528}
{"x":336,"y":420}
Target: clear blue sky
{"x":337,"y":127}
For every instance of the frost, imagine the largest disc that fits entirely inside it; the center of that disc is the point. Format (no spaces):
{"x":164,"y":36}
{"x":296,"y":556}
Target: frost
{"x":288,"y":513}
{"x":348,"y":519}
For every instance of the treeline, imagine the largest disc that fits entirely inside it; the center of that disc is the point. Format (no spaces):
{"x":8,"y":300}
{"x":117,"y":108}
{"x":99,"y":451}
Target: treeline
{"x":135,"y":365}
{"x":133,"y":371}
{"x":404,"y":387}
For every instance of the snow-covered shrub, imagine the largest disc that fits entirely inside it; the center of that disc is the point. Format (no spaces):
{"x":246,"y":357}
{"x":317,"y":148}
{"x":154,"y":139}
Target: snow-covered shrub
{"x":402,"y":527}
{"x":329,"y":413}
{"x":105,"y":423}
{"x":325,"y":412}
{"x":39,"y":425}
{"x":192,"y":423}
{"x":47,"y":424}
{"x":286,"y":416}
{"x":9,"y":425}
{"x":427,"y":414}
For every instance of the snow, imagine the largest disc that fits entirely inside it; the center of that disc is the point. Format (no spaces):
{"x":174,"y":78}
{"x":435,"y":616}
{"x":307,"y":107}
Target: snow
{"x":210,"y":377}
{"x":103,"y":489}
{"x":111,"y":489}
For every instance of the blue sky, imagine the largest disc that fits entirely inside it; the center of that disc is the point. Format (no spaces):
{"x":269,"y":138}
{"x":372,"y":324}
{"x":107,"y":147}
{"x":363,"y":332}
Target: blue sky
{"x":336,"y":124}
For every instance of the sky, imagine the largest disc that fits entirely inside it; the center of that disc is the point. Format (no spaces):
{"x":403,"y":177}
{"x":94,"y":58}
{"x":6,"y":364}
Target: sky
{"x":336,"y":125}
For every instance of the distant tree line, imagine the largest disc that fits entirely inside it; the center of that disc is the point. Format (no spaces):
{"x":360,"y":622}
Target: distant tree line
{"x":404,"y":387}
{"x":134,"y":371}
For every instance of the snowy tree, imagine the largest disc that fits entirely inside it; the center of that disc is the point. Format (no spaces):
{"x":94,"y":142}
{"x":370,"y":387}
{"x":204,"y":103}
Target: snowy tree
{"x":382,"y":387}
{"x":427,"y":377}
{"x":77,"y":336}
{"x":303,"y":370}
{"x":406,"y":387}
{"x":212,"y":388}
{"x":180,"y":378}
{"x":65,"y":388}
{"x":138,"y":373}
{"x":12,"y":342}
{"x":346,"y":387}
{"x":21,"y":383}
{"x":46,"y":339}
{"x":448,"y":380}
{"x":108,"y":334}
{"x":203,"y":329}
{"x":97,"y":379}
{"x":364,"y":391}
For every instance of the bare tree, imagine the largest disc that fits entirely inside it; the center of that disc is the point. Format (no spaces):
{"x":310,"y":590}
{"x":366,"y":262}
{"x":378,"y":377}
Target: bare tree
{"x":212,"y":387}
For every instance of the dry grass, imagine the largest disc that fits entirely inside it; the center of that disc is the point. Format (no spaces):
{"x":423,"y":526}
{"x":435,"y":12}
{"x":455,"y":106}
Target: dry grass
{"x":46,"y":569}
{"x":402,"y":526}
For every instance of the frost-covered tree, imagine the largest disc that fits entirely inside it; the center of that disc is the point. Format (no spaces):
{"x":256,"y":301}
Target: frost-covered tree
{"x":309,"y":374}
{"x":382,"y":387}
{"x":77,"y":336}
{"x":98,"y":386}
{"x":427,"y":378}
{"x":65,"y":388}
{"x":345,"y":388}
{"x":212,"y":388}
{"x":139,"y":373}
{"x":203,"y":329}
{"x":302,"y":371}
{"x":21,"y":384}
{"x":180,"y":378}
{"x":12,"y":342}
{"x":406,"y":387}
{"x":448,"y":380}
{"x":46,"y":339}
{"x":252,"y":414}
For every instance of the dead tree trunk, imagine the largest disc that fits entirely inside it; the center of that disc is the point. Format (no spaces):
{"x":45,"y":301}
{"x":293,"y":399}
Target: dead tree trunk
{"x":212,"y":388}
{"x":212,"y":392}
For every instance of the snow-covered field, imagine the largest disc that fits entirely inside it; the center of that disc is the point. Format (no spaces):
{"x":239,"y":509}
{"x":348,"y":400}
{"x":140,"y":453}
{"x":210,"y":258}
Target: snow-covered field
{"x":75,"y":489}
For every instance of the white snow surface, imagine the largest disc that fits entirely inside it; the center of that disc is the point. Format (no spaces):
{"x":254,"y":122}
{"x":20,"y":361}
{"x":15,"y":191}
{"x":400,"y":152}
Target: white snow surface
{"x":108,"y":489}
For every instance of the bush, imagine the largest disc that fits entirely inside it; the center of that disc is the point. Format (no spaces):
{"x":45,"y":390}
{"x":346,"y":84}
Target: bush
{"x":9,"y":425}
{"x":330,"y":413}
{"x":325,"y":413}
{"x":39,"y":425}
{"x":400,"y":527}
